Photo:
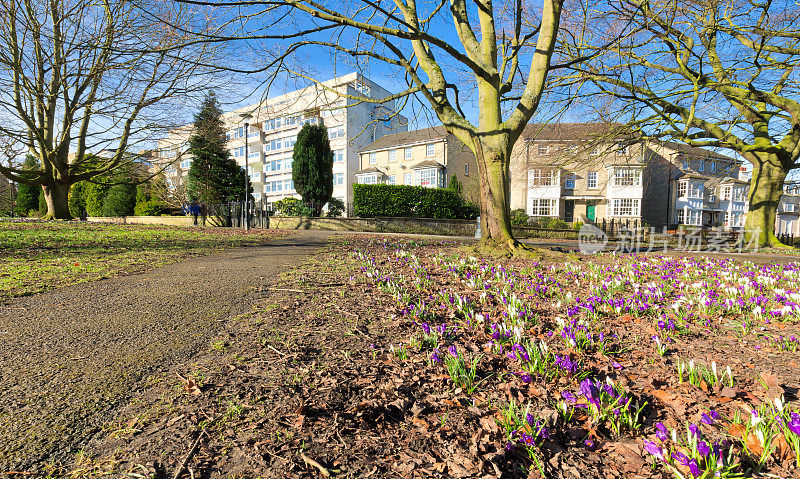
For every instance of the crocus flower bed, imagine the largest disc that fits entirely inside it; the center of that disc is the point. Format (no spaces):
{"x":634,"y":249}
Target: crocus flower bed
{"x":677,"y":365}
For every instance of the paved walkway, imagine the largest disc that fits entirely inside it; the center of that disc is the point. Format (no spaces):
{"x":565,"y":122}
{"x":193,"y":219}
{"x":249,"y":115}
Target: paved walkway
{"x":70,"y":357}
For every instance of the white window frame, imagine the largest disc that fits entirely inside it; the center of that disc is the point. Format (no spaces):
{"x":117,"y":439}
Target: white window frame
{"x":702,"y":166}
{"x":430,"y":150}
{"x":569,"y":181}
{"x":622,"y":149}
{"x":338,"y":156}
{"x":427,"y":177}
{"x":541,"y":177}
{"x":370,"y":179}
{"x":739,"y":194}
{"x":543,"y":206}
{"x":338,"y":179}
{"x":408,"y":154}
{"x":373,"y":158}
{"x":695,"y":190}
{"x":392,"y":156}
{"x":726,"y":193}
{"x":789,"y":207}
{"x":407,"y":178}
{"x":625,"y":207}
{"x":391,"y":180}
{"x":543,"y":149}
{"x":627,"y":177}
{"x":591,"y":180}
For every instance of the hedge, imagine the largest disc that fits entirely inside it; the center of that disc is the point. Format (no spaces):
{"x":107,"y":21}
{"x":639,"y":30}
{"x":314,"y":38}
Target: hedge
{"x":370,"y":201}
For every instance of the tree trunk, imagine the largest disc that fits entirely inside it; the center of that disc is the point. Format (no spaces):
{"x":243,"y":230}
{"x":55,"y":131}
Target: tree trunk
{"x":495,"y":198}
{"x":56,"y":196}
{"x":766,"y":189}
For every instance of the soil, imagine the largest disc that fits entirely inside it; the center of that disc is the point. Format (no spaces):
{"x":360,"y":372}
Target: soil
{"x":315,"y":376}
{"x":309,"y":384}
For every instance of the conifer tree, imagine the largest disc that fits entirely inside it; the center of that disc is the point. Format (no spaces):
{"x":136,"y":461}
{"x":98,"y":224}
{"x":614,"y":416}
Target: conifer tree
{"x":214,"y":177}
{"x":312,"y":166}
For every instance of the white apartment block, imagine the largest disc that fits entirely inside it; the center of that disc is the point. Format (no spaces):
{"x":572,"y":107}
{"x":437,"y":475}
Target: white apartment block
{"x":345,"y":105}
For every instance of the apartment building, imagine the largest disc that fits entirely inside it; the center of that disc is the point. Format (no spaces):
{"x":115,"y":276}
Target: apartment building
{"x":428,"y":157}
{"x":593,"y":171}
{"x":787,"y":219}
{"x":345,"y":105}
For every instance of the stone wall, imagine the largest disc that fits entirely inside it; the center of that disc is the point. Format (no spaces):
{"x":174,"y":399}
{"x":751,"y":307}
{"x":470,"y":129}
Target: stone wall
{"x":379,"y":225}
{"x":157,"y":220}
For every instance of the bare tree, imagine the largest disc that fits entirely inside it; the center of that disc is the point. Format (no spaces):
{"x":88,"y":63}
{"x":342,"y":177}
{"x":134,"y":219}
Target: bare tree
{"x":717,"y":74}
{"x":80,"y":76}
{"x":448,"y":53}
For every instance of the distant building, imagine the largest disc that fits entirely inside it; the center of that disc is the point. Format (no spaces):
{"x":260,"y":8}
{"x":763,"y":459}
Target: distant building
{"x":591,"y":172}
{"x":429,"y":157}
{"x":273,"y":128}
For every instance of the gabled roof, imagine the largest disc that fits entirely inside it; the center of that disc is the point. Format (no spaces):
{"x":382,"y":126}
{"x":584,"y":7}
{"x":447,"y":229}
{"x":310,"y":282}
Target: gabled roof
{"x":694,"y":151}
{"x":413,"y":137}
{"x":371,"y":169}
{"x":427,"y":164}
{"x":597,"y":131}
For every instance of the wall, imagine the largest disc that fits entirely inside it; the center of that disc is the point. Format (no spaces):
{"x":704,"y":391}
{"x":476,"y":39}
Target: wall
{"x":157,"y":220}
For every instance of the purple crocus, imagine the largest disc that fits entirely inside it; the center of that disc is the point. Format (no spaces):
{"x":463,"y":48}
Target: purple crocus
{"x":589,"y":390}
{"x":694,"y":468}
{"x":703,"y":448}
{"x":568,"y":396}
{"x":426,"y":329}
{"x":706,"y":419}
{"x":453,"y":350}
{"x":794,"y":423}
{"x":694,"y":430}
{"x":436,"y":356}
{"x":654,"y":450}
{"x":661,"y":432}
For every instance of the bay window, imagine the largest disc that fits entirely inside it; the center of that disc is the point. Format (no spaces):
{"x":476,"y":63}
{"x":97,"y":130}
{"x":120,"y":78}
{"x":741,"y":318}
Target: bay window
{"x":543,"y":207}
{"x":624,"y":207}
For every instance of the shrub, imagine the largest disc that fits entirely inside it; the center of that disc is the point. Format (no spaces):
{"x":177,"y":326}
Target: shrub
{"x":370,"y":201}
{"x":550,"y":223}
{"x":149,"y":208}
{"x":292,"y":207}
{"x":519,"y":217}
{"x":335,"y":207}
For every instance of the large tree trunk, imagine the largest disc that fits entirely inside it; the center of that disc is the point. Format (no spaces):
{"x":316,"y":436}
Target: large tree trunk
{"x":56,"y":196}
{"x":766,"y":189}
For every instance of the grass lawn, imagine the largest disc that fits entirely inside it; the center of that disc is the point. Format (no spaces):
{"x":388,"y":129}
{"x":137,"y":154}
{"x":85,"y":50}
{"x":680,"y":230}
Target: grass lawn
{"x":398,"y":358}
{"x":39,"y":256}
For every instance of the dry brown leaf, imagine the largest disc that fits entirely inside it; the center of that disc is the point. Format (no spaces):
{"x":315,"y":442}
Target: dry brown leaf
{"x":782,"y":448}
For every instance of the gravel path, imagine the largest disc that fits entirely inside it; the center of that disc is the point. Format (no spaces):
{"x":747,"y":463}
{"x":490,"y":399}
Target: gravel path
{"x":70,"y":357}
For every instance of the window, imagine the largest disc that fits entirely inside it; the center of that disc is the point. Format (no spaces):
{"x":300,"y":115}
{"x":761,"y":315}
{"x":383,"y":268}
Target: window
{"x":788,"y":207}
{"x":408,"y":153}
{"x":569,"y":182}
{"x":544,"y":149}
{"x":738,"y":194}
{"x":679,"y":216}
{"x":428,"y":177}
{"x":430,"y":150}
{"x":253,"y":155}
{"x":595,"y":150}
{"x":695,"y":189}
{"x":407,"y":179}
{"x":591,"y":179}
{"x":392,"y":180}
{"x":627,"y":177}
{"x":543,"y":207}
{"x":392,"y":155}
{"x":338,"y":156}
{"x":713,"y":165}
{"x":541,"y":177}
{"x":368,"y":179}
{"x":338,"y":179}
{"x":237,"y":152}
{"x":702,"y":166}
{"x":373,"y":158}
{"x":466,"y":169}
{"x":695,"y":217}
{"x":725,"y":193}
{"x":622,"y":149}
{"x":185,"y":164}
{"x":335,"y":133}
{"x":625,"y":207}
{"x":712,"y":198}
{"x":253,"y":133}
{"x":235,"y":133}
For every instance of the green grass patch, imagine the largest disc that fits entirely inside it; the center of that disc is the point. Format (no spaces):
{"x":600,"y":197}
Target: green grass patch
{"x":38,"y":256}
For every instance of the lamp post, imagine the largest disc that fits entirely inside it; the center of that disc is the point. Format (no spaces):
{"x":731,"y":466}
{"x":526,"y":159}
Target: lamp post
{"x":246,"y":117}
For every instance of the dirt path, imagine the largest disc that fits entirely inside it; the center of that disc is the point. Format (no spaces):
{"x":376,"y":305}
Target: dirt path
{"x":70,"y":357}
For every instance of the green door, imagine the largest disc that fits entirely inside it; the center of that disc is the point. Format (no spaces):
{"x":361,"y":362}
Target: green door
{"x":590,"y":212}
